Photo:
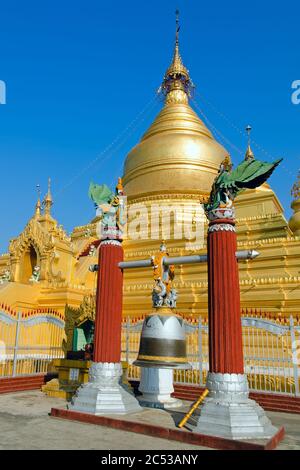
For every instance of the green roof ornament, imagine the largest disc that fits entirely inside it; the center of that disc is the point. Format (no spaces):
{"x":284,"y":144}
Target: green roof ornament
{"x":249,"y":174}
{"x":100,"y":194}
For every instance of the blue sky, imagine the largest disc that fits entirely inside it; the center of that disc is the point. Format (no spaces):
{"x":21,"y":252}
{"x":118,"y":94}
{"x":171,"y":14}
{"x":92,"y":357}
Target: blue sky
{"x":79,"y":73}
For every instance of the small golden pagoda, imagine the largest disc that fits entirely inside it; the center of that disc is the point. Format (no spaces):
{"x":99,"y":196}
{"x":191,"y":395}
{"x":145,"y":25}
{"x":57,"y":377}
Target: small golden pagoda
{"x":43,"y":268}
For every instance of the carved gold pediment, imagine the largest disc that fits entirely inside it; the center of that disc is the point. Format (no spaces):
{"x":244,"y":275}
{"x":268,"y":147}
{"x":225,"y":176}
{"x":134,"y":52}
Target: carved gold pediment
{"x":87,"y":310}
{"x":47,"y":240}
{"x":76,"y":317}
{"x":34,"y":235}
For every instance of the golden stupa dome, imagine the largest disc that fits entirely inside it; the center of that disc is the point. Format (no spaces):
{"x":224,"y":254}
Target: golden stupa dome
{"x":177,"y":154}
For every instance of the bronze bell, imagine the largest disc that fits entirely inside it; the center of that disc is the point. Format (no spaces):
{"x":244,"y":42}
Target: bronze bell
{"x":163,"y":342}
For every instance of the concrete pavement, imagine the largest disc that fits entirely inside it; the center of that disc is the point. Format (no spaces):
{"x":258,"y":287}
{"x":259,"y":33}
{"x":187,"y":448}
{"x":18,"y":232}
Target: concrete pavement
{"x":25,"y":424}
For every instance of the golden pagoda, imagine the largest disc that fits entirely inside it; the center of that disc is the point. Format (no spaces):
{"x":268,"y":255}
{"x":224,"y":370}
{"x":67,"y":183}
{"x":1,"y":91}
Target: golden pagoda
{"x":173,"y":165}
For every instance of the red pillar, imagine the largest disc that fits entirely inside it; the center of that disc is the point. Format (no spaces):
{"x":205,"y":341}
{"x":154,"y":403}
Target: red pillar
{"x":225,"y":329}
{"x":108,"y":322}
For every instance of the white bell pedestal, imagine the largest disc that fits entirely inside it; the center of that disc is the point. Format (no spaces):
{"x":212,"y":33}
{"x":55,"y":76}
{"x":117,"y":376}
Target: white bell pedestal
{"x":156,"y":386}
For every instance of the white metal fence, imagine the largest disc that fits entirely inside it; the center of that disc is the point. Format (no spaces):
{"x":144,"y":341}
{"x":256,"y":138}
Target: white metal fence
{"x":29,"y":342}
{"x":271,"y":352}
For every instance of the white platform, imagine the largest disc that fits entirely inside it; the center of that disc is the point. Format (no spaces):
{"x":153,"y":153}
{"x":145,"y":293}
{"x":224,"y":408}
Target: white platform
{"x":104,"y":394}
{"x":228,"y":412}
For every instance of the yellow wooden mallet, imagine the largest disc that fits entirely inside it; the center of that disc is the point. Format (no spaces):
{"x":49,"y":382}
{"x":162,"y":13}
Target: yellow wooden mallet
{"x":193,"y":409}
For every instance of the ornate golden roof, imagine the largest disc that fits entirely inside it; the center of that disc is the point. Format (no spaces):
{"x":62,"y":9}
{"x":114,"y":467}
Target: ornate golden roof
{"x":177,"y":154}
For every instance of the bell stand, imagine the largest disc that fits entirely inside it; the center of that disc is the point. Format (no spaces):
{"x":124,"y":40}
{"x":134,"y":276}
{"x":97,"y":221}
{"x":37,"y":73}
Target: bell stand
{"x":103,"y":393}
{"x":156,"y":384}
{"x":242,"y":255}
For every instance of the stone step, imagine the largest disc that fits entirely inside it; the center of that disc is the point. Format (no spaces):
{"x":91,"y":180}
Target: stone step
{"x":20,"y":383}
{"x":196,"y":391}
{"x":288,"y":409}
{"x":270,"y":402}
{"x":16,"y":384}
{"x":275,"y":397}
{"x":20,"y":389}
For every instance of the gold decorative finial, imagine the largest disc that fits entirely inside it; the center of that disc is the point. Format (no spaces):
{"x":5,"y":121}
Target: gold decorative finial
{"x":248,"y":130}
{"x":226,"y":164}
{"x":48,"y":201}
{"x":177,"y":85}
{"x":296,"y":189}
{"x":119,"y":186}
{"x":38,"y":206}
{"x":294,"y":222}
{"x":177,"y":27}
{"x":249,"y":154}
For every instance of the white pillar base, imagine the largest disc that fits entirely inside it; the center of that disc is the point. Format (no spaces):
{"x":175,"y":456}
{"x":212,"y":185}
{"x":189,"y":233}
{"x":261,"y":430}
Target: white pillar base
{"x":156,"y":385}
{"x":104,"y":394}
{"x":228,"y":412}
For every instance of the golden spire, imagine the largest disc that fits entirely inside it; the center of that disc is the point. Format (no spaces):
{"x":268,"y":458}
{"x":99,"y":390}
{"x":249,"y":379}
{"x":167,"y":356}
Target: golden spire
{"x":249,"y":154}
{"x":38,"y":205}
{"x":294,"y":222}
{"x":296,"y":189}
{"x":177,"y":84}
{"x":48,"y":202}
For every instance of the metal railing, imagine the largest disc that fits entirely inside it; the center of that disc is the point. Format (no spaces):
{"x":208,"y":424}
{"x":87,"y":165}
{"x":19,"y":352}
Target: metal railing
{"x":29,"y":342}
{"x":271,"y":352}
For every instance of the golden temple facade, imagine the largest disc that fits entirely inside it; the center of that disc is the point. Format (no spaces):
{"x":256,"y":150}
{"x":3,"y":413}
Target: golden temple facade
{"x":174,"y":164}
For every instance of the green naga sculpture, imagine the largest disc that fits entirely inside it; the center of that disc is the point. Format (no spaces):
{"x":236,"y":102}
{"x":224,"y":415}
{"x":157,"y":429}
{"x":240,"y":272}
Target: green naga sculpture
{"x":111,"y":209}
{"x":100,"y":194}
{"x":249,"y":174}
